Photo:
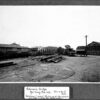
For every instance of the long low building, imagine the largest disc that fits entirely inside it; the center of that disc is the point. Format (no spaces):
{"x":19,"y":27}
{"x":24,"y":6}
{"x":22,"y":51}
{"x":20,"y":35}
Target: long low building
{"x":12,"y":51}
{"x":13,"y":47}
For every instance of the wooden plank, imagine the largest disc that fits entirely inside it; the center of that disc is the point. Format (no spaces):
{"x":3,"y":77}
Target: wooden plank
{"x":5,"y":64}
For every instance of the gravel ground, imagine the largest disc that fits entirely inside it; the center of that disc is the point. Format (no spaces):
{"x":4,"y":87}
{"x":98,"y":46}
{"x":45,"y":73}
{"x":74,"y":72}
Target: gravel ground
{"x":72,"y":69}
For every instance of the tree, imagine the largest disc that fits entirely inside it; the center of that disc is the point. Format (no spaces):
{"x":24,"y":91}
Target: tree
{"x":67,"y":50}
{"x":60,"y":50}
{"x":67,"y":46}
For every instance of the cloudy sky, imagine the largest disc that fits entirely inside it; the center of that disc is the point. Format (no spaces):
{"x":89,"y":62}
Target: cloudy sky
{"x":49,"y":25}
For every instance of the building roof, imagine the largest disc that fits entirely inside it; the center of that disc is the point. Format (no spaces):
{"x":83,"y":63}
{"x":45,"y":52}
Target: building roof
{"x":13,"y":45}
{"x":94,"y":43}
{"x":80,"y":48}
{"x":49,"y":47}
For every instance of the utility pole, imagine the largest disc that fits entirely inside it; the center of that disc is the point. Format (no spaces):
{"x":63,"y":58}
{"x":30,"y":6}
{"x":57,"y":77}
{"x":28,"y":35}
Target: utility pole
{"x":86,"y":40}
{"x":86,"y":44}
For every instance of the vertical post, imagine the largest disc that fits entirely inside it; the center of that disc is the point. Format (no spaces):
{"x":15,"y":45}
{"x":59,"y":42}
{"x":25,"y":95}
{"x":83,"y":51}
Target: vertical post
{"x":86,"y":40}
{"x":86,"y":44}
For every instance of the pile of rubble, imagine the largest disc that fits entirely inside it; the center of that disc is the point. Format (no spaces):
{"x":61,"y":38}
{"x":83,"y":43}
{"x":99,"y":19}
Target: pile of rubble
{"x":49,"y":59}
{"x":54,"y":59}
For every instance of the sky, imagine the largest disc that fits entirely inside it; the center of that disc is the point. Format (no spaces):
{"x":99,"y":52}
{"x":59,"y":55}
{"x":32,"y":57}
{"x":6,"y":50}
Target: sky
{"x":49,"y":25}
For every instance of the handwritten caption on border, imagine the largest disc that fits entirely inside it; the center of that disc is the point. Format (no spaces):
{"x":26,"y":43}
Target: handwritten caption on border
{"x":46,"y":92}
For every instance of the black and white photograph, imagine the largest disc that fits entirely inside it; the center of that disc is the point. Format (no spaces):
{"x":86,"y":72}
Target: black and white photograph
{"x":50,"y":44}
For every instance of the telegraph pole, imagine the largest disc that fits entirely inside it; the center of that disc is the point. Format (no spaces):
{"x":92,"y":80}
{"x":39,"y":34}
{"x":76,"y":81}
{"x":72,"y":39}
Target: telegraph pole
{"x":86,"y":39}
{"x":86,"y":43}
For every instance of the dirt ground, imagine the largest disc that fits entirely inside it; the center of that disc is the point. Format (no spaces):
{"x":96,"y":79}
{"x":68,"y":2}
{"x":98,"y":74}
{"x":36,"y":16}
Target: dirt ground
{"x":72,"y":69}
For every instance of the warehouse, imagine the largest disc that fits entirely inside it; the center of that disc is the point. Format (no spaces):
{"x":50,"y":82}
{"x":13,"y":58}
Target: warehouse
{"x":12,"y":50}
{"x":12,"y":47}
{"x":93,"y":48}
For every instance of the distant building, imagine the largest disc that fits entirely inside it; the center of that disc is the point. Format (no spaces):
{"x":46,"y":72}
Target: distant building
{"x":81,"y":50}
{"x":33,"y":51}
{"x":47,"y":50}
{"x":13,"y":51}
{"x":93,"y":48}
{"x":13,"y":47}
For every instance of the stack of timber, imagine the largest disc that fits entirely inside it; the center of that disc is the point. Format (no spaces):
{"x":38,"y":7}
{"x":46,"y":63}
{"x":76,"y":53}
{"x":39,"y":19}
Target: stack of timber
{"x":53,"y":58}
